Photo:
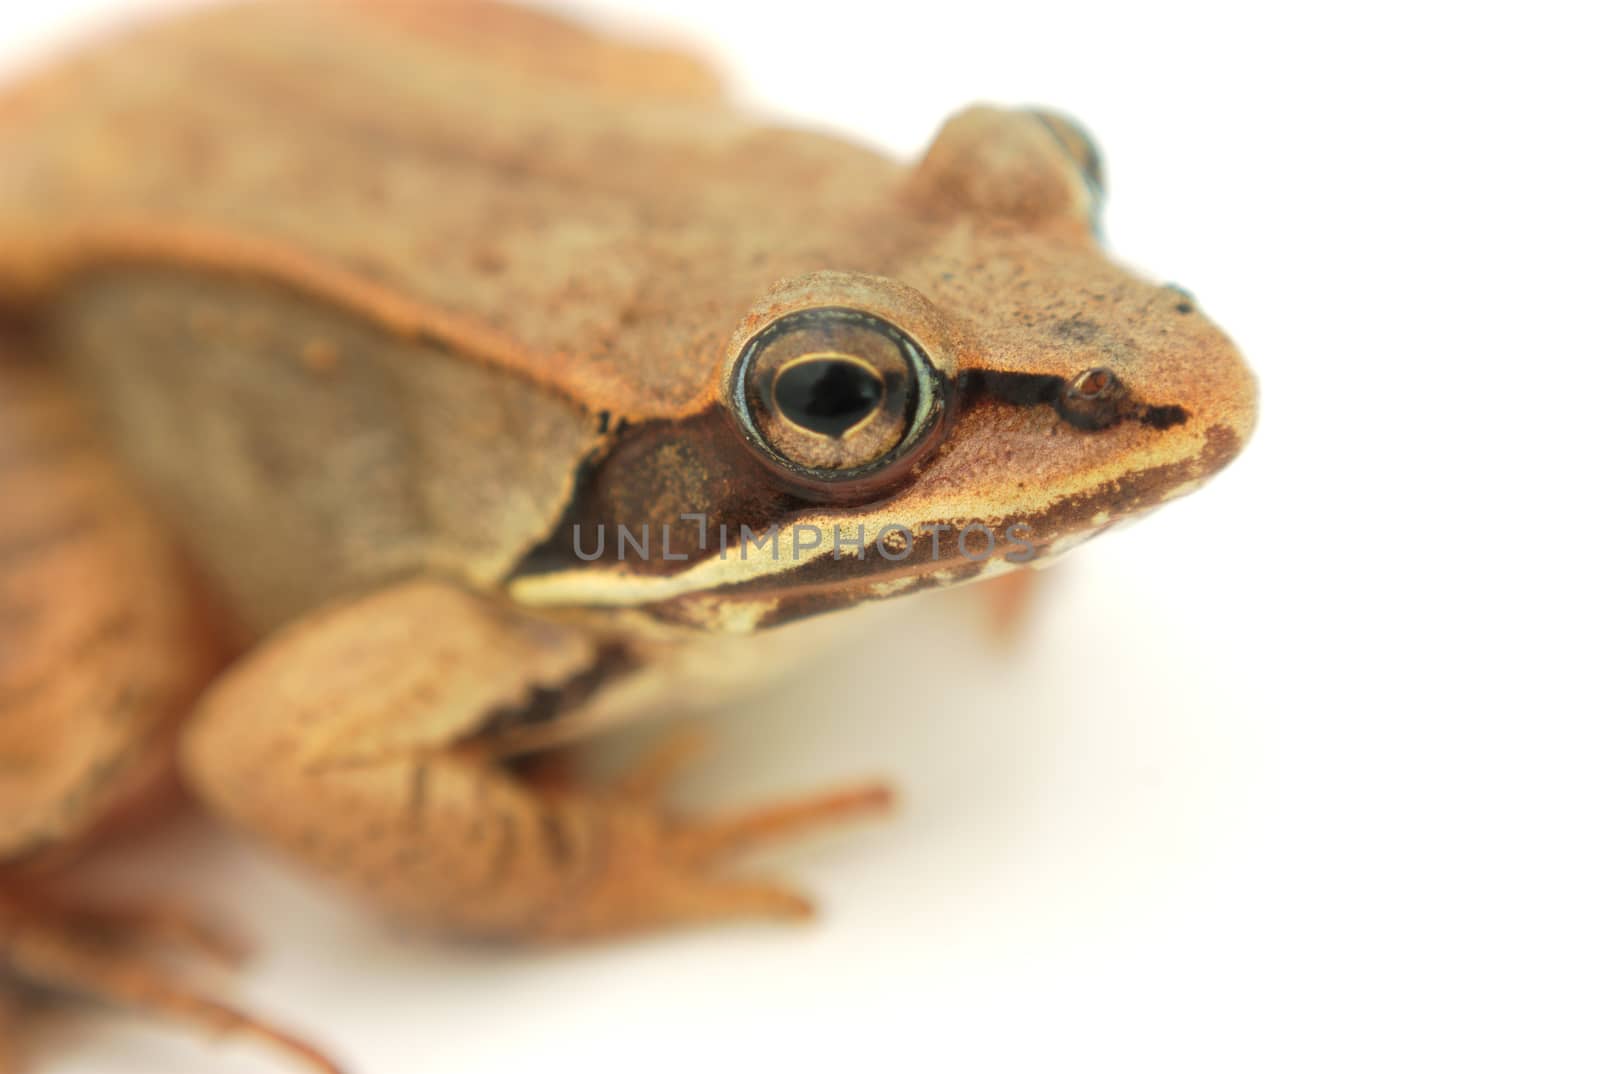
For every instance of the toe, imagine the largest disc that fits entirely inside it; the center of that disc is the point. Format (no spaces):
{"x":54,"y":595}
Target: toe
{"x":711,"y":840}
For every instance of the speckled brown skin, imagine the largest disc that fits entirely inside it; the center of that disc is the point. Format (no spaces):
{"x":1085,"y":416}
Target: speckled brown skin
{"x":379,"y":301}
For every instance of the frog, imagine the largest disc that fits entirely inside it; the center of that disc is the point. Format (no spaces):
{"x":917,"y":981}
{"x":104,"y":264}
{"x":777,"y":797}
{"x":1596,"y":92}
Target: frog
{"x":392,"y":395}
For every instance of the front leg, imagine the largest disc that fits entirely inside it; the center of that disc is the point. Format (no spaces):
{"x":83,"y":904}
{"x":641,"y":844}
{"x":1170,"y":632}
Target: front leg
{"x":361,"y":742}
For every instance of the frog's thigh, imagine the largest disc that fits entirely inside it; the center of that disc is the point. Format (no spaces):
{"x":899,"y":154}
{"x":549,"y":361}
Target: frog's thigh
{"x":102,"y":649}
{"x":356,"y":741}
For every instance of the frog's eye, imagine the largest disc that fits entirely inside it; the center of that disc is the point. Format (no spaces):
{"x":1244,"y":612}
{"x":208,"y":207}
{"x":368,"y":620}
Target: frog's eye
{"x":834,"y":395}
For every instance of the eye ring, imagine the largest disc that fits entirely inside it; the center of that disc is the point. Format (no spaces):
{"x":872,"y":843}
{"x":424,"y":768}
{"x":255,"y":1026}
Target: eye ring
{"x":846,"y":355}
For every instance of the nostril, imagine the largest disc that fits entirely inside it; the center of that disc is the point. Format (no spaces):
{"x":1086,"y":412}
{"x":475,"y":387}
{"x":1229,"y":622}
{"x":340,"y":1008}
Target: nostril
{"x":1094,"y":400}
{"x":1093,"y":383}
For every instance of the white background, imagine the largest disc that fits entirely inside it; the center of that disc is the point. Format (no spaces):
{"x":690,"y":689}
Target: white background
{"x":1299,"y":774}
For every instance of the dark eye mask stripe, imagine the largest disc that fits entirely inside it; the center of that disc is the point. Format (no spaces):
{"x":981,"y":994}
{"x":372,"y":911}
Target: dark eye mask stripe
{"x":1105,"y":410}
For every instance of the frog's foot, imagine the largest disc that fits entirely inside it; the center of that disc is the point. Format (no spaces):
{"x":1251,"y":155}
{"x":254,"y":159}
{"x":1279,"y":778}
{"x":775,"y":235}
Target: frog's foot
{"x":661,"y":868}
{"x":115,"y":956}
{"x":1008,"y":601}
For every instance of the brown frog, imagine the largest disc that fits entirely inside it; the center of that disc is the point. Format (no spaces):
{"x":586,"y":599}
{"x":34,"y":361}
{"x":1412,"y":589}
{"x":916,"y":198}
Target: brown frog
{"x":391,"y":392}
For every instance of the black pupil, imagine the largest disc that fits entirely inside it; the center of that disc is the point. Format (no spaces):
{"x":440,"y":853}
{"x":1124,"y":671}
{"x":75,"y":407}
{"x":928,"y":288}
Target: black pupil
{"x":827,"y":395}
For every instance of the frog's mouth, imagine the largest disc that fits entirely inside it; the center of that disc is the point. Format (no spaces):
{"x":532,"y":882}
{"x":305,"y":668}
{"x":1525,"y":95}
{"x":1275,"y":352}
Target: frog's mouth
{"x":824,"y":559}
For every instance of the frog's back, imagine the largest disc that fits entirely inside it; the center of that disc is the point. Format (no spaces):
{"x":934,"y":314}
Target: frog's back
{"x":358,"y":287}
{"x":481,"y":174}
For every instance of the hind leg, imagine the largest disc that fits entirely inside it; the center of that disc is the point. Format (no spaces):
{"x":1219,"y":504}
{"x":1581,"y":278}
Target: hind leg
{"x":102,"y":650}
{"x":116,"y":957}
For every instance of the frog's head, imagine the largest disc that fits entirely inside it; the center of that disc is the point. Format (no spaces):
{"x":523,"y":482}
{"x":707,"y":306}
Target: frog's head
{"x":992,"y":393}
